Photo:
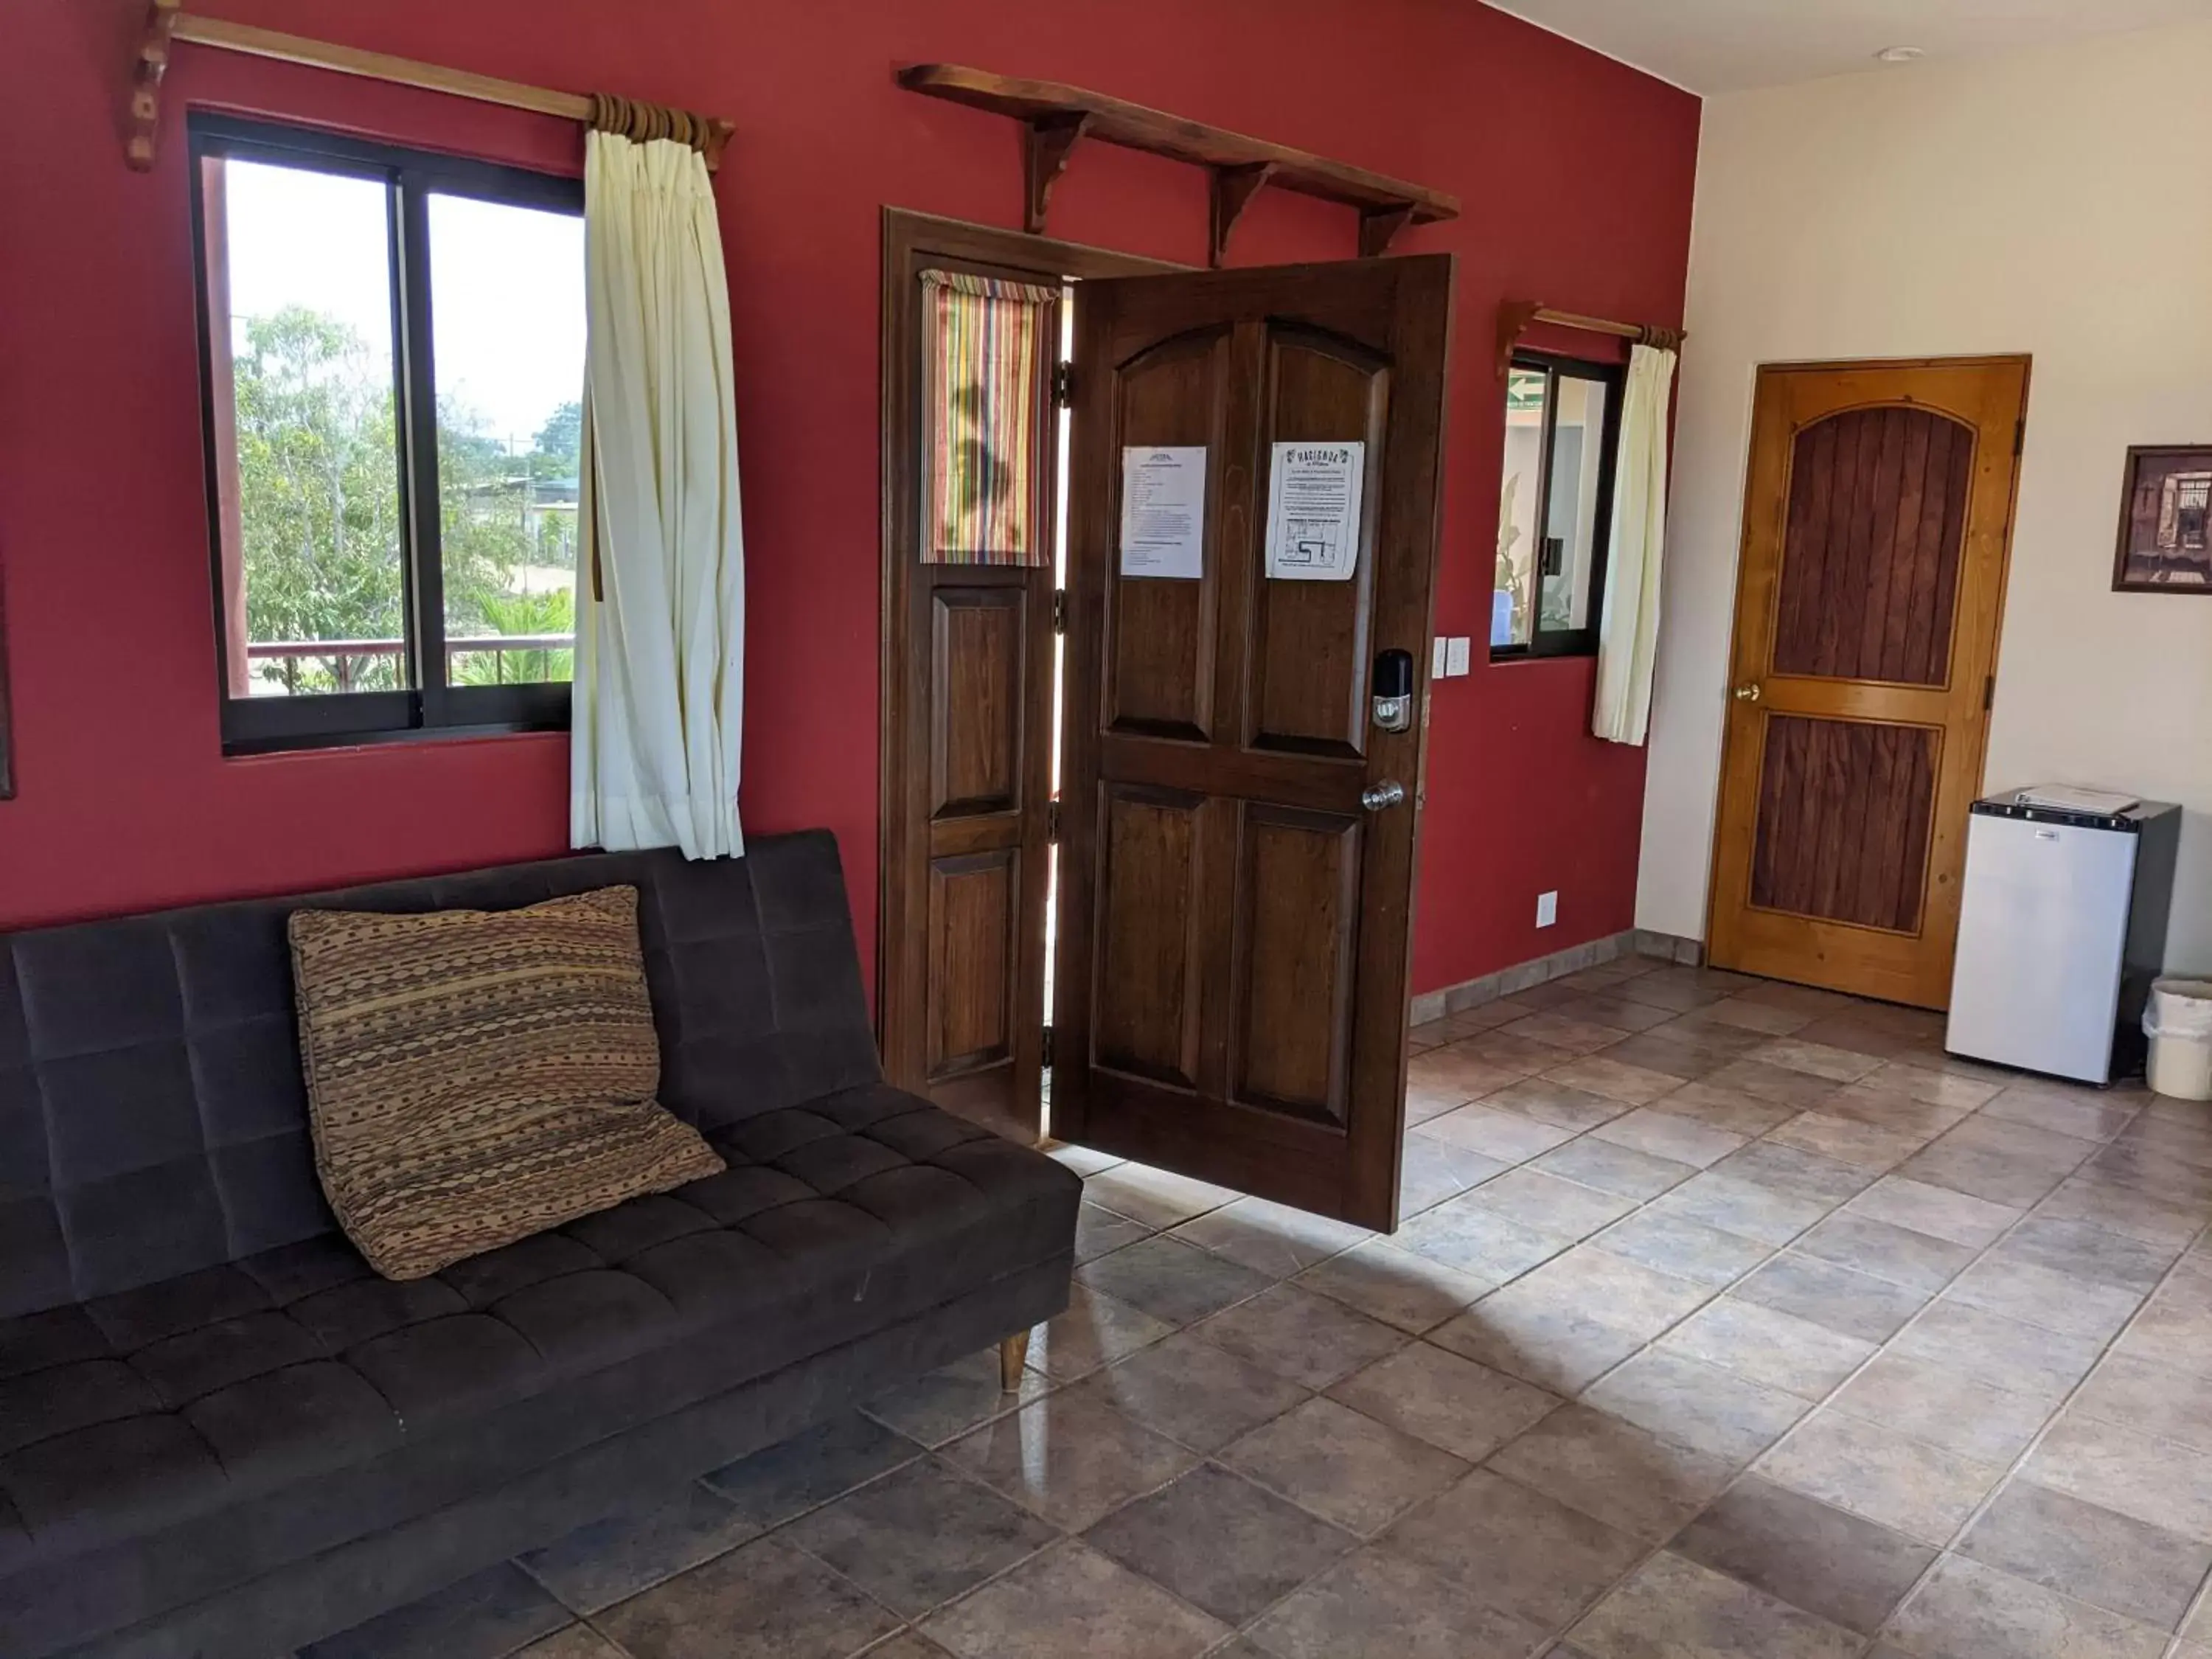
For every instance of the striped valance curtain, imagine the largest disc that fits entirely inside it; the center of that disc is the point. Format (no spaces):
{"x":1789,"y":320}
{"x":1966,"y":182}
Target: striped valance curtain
{"x":984,"y":345}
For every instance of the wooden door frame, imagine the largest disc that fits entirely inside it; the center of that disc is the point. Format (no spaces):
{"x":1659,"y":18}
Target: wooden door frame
{"x":1980,"y":735}
{"x":910,"y":240}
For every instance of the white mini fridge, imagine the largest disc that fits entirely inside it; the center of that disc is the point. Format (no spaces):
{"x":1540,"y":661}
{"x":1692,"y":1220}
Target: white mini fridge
{"x":2062,"y":928}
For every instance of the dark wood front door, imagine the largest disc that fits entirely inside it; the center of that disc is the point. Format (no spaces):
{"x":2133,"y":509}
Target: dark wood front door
{"x":1236,"y":880}
{"x":1876,"y":521}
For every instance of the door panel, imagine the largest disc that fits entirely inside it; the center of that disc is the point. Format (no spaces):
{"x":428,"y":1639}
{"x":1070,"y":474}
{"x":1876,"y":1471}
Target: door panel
{"x":1230,"y":989}
{"x":1878,"y":503}
{"x":1309,"y":664}
{"x":973,"y":901}
{"x":979,"y":640}
{"x":1174,"y":394}
{"x":1298,"y":883}
{"x":1877,"y":523}
{"x":1147,"y":945}
{"x":1844,"y":820}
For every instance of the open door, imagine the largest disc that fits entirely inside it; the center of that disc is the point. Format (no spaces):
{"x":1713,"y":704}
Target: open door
{"x":1237,"y":852}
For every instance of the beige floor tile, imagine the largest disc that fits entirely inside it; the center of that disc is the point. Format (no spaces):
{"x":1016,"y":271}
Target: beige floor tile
{"x":1944,"y":1408}
{"x":1696,"y":1405}
{"x":1539,"y":1334}
{"x":1916,"y":1260}
{"x":1158,"y":1198}
{"x":2001,"y":1351}
{"x":1344,"y":1466}
{"x":1303,"y":1338}
{"x":1270,"y":1238}
{"x":1192,"y":1391}
{"x":1848,"y":1139}
{"x":2092,"y":1553}
{"x":1094,"y":1330}
{"x":1548,"y":1100}
{"x":1070,"y":1457}
{"x":1748,"y":1209}
{"x":1921,"y":1490}
{"x":1624,"y":1084}
{"x":1768,"y":1347}
{"x":1466,"y":1408}
{"x":2152,"y":1399}
{"x":1728,"y":1108}
{"x":1846,"y":1569}
{"x":766,"y":1600}
{"x":1816,"y":1059}
{"x":1659,"y":1134}
{"x":1623,"y":1294}
{"x":1549,"y":1204}
{"x":1674,"y":1606}
{"x":1073,"y":1599}
{"x":1614,"y":1472}
{"x":1399,"y":1287}
{"x":1379,"y":1603}
{"x":2004,"y":1284}
{"x":1968,"y":1611}
{"x":1935,"y":1211}
{"x":1462,"y":1233}
{"x":2138,"y":1215}
{"x":2167,"y":1485}
{"x":1515,"y":1548}
{"x":1562,"y":1030}
{"x":1509,"y":1137}
{"x":1668,"y":1244}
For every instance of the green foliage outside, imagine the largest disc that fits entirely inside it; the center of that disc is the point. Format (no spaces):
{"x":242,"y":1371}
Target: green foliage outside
{"x":318,"y":468}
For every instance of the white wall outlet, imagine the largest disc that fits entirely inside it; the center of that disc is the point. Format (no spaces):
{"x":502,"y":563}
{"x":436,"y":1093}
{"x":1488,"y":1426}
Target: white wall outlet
{"x":1438,"y":650}
{"x":1458,"y":653}
{"x":1547,"y":908}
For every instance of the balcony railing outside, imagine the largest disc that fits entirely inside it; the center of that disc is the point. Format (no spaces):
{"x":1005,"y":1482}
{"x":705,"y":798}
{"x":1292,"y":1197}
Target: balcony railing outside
{"x":347,"y":657}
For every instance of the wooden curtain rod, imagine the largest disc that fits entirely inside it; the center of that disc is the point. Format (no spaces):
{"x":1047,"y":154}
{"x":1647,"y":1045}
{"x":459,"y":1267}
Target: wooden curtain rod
{"x":1514,"y":317}
{"x":167,"y":22}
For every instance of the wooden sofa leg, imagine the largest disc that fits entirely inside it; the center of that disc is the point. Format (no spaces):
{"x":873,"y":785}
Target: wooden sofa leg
{"x":1013,"y":1354}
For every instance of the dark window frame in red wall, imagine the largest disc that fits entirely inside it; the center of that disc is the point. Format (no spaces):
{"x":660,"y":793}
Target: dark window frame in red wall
{"x":1613,"y":377}
{"x":431,"y":706}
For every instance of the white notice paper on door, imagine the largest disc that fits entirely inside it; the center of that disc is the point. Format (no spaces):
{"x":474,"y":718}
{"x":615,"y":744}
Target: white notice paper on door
{"x":1313,"y":511}
{"x":1164,"y":511}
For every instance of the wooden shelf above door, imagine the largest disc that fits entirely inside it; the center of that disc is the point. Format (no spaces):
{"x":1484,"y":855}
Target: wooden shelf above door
{"x":1057,"y":118}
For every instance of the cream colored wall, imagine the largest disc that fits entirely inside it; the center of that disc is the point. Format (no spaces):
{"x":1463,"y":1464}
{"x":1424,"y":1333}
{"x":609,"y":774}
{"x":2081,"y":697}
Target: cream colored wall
{"x":2053,"y":203}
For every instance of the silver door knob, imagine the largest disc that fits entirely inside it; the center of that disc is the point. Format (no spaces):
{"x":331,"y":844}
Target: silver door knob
{"x":1747,"y":693}
{"x":1376,"y":796}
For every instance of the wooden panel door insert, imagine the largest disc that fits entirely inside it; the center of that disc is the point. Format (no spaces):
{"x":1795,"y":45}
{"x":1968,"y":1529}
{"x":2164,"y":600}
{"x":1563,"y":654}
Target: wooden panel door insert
{"x":967,"y":734}
{"x":1235,"y":878}
{"x":1877,"y":523}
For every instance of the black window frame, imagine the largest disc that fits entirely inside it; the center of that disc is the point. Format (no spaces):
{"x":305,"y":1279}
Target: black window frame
{"x":431,"y":707}
{"x":1570,"y":642}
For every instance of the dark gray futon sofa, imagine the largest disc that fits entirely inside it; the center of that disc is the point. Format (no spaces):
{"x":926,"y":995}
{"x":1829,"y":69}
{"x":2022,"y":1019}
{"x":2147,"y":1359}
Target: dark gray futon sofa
{"x":222,"y":1435}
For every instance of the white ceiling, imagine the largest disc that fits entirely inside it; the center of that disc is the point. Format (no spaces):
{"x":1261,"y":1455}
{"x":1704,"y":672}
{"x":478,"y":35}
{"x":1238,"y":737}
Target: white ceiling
{"x":1725,"y":46}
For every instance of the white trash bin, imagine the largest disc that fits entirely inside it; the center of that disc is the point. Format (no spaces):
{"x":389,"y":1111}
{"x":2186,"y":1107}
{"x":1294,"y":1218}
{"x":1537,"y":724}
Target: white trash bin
{"x":2178,"y":1022}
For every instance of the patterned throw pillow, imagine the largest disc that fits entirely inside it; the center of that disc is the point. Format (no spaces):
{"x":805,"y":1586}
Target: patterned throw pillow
{"x":478,"y":1075}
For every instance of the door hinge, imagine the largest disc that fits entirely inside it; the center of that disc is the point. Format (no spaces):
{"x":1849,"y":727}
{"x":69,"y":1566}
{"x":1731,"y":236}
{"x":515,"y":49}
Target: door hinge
{"x":1989,"y":692}
{"x":1047,"y":1047}
{"x":1063,"y":385}
{"x":1060,"y":611}
{"x":1052,"y":821}
{"x":2019,"y":436}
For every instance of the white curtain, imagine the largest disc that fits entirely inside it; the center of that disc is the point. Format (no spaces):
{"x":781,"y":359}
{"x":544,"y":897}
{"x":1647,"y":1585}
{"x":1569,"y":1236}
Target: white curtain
{"x":1628,"y":635}
{"x":660,"y":562}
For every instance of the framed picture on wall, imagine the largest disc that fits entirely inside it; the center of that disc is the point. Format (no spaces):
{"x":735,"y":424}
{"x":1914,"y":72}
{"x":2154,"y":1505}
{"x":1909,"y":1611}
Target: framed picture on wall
{"x":2163,"y":511}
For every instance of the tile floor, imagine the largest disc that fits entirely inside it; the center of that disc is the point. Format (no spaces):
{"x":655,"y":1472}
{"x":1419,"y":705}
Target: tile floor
{"x":1727,"y":1318}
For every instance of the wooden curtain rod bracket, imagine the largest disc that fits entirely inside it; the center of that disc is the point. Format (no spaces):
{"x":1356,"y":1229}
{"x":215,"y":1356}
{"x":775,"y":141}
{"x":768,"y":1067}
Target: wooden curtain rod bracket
{"x":1515,"y":317}
{"x":147,"y":70}
{"x":1233,"y":191}
{"x":1047,"y":142}
{"x":1047,"y":107}
{"x":168,"y":22}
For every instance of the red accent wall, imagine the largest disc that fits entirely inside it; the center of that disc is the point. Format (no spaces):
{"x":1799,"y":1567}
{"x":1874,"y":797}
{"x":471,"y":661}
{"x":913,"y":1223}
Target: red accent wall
{"x":1576,"y":176}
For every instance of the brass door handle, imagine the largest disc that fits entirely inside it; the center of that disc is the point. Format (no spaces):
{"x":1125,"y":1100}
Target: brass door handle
{"x":1747,"y":693}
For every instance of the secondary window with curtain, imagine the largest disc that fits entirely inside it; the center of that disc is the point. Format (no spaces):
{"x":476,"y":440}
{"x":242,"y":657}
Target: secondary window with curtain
{"x":1562,"y":430}
{"x":392,"y":344}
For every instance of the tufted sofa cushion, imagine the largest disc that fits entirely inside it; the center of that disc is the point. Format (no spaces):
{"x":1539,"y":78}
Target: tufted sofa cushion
{"x":151,"y":1409}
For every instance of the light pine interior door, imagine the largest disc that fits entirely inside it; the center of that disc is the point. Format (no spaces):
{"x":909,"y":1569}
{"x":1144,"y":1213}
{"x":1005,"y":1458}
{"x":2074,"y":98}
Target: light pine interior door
{"x":1877,"y":517}
{"x":1238,"y":835}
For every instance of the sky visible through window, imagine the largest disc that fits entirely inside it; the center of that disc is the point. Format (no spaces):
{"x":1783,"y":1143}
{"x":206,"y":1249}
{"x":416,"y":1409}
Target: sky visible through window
{"x":509,"y":285}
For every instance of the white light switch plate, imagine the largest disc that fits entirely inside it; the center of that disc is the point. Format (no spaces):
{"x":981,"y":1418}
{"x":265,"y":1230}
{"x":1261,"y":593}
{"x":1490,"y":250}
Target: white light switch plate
{"x":1438,"y":648}
{"x":1548,"y":909}
{"x":1458,"y":651}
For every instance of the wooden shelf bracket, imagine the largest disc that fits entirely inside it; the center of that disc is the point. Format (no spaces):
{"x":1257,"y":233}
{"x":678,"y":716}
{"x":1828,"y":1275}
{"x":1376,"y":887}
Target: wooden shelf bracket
{"x":1054,"y":117}
{"x":1047,"y":142}
{"x":1233,"y":191}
